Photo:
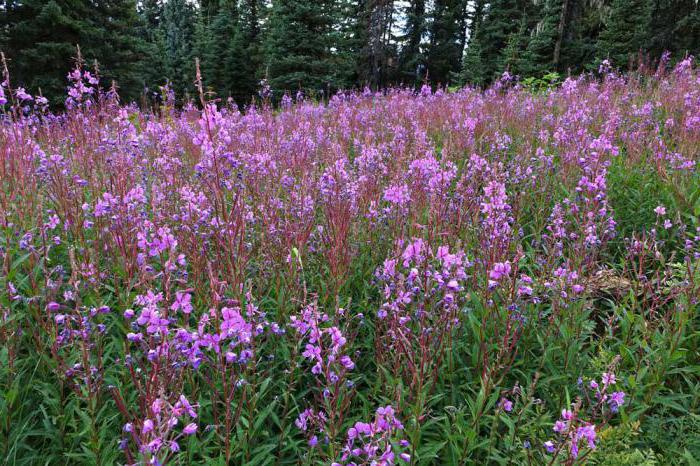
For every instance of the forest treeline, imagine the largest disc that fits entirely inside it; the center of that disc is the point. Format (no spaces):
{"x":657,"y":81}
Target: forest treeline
{"x":320,"y":46}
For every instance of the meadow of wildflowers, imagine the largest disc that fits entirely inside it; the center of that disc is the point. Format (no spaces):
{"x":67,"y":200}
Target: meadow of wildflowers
{"x":499,"y":276}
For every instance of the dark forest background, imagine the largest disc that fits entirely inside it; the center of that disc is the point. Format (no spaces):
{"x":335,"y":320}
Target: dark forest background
{"x":321,"y":46}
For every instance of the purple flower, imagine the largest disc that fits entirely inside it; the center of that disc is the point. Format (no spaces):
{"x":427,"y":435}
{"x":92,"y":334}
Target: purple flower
{"x":500,"y":270}
{"x":506,"y":405}
{"x":608,"y":379}
{"x":616,"y":400}
{"x":183,"y":302}
{"x":190,"y":429}
{"x":147,"y":426}
{"x":398,"y":195}
{"x":560,"y":427}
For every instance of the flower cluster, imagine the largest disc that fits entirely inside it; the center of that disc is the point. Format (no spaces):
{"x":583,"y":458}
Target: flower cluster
{"x":375,"y":442}
{"x":323,"y":347}
{"x":573,"y":431}
{"x":422,"y":292}
{"x":157,"y":436}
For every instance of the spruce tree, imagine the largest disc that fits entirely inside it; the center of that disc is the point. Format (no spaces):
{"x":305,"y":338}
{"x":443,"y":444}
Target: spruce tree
{"x":411,"y":60}
{"x":472,"y":65}
{"x":502,"y":18}
{"x":244,"y":57}
{"x":177,"y":28}
{"x":220,"y":32}
{"x":152,"y":68}
{"x":298,"y":47}
{"x":512,"y":57}
{"x":346,"y":43}
{"x":41,"y":39}
{"x":444,"y":51}
{"x":538,"y":57}
{"x":626,"y":31}
{"x":675,"y":27}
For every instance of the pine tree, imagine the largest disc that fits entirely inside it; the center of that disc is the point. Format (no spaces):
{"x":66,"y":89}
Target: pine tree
{"x":244,"y":56}
{"x":444,"y":51}
{"x":538,"y":57}
{"x":626,"y":31}
{"x":472,"y":65}
{"x":298,"y":47}
{"x":42,"y":37}
{"x":502,"y":18}
{"x":411,"y":59}
{"x":177,"y":28}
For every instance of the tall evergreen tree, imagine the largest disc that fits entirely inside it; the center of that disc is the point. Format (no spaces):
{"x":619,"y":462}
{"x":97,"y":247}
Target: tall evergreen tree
{"x":675,"y":27}
{"x":472,"y":65}
{"x":41,"y":39}
{"x":626,"y":31}
{"x":502,"y":18}
{"x":580,"y":26}
{"x":152,"y":68}
{"x":244,"y":58}
{"x":213,"y":53}
{"x":379,"y":54}
{"x":347,"y":41}
{"x":411,"y":60}
{"x":539,"y":56}
{"x":299,"y":45}
{"x":444,"y":50}
{"x":178,"y":28}
{"x":511,"y":58}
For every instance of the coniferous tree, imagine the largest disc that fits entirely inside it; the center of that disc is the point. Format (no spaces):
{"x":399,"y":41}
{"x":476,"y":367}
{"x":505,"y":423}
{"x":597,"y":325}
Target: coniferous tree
{"x":299,"y":45}
{"x":411,"y":60}
{"x":626,"y":31}
{"x":152,"y":68}
{"x":511,"y":58}
{"x":346,"y":42}
{"x":220,"y":34}
{"x":41,"y":39}
{"x":472,"y":65}
{"x":538,"y":57}
{"x":244,"y":58}
{"x":674,"y":27}
{"x":178,"y":29}
{"x":379,"y":59}
{"x":583,"y":23}
{"x":444,"y":50}
{"x":502,"y":18}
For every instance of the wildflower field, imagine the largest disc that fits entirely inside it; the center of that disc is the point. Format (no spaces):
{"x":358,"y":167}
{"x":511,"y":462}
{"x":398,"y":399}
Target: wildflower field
{"x":502,"y":276}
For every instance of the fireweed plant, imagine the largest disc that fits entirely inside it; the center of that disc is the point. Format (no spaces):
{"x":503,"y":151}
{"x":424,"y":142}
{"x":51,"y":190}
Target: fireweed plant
{"x":436,"y":277}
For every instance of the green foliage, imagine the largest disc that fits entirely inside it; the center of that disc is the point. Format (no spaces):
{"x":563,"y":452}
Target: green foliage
{"x":244,"y":57}
{"x":41,"y":37}
{"x":472,"y":66}
{"x":299,"y":46}
{"x":178,"y":37}
{"x":543,"y":84}
{"x":626,"y":31}
{"x":443,"y":51}
{"x":539,"y":54}
{"x":502,"y":18}
{"x":330,"y":45}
